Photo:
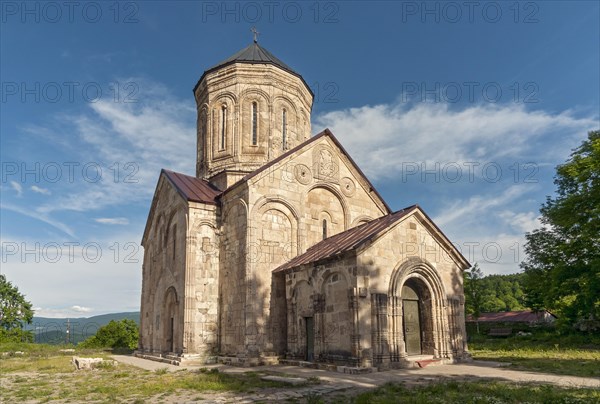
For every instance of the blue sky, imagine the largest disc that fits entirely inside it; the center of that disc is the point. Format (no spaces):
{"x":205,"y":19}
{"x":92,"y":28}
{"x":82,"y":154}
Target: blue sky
{"x":464,"y":108}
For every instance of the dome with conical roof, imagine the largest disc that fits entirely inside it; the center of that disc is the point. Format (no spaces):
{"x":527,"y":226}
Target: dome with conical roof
{"x":252,"y":108}
{"x":253,"y":54}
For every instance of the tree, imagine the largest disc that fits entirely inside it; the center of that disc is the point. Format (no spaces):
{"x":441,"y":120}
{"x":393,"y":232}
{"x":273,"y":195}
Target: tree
{"x":116,"y":334}
{"x":492,"y":293}
{"x":15,"y":311}
{"x":473,"y":292}
{"x":502,"y":293}
{"x":562,"y":268}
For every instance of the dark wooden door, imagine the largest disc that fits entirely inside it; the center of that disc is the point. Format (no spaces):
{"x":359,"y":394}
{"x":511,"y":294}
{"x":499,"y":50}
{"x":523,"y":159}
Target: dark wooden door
{"x":310,"y":339}
{"x":412,"y":326}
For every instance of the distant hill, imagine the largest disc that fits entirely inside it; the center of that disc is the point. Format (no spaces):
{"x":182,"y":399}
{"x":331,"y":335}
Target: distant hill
{"x":54,"y":330}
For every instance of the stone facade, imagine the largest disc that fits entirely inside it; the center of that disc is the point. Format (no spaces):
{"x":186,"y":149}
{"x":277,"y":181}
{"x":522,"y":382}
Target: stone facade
{"x":218,"y":274}
{"x":355,"y":300}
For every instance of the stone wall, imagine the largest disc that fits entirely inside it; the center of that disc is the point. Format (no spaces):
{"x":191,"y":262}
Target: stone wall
{"x":202,"y":282}
{"x":233,"y":276}
{"x":287,"y":204}
{"x":327,"y":294}
{"x":163,"y":287}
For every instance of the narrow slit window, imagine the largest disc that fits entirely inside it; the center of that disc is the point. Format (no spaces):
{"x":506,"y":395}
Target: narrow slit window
{"x":254,"y":124}
{"x":284,"y":128}
{"x":324,"y":229}
{"x":174,"y":240}
{"x":223,"y":125}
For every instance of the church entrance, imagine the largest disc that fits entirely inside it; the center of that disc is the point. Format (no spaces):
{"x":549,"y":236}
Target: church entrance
{"x":169,"y":326}
{"x":415,"y":305}
{"x":416,"y":312}
{"x":412,"y":322}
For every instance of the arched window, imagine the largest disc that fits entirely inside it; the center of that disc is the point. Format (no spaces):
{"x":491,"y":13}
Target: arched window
{"x":223,"y":126}
{"x":254,"y":124}
{"x":284,"y":128}
{"x":324,"y":229}
{"x":203,"y":127}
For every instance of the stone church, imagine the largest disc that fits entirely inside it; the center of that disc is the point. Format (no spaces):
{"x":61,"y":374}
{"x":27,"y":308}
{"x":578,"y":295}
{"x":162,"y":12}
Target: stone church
{"x":280,"y":249}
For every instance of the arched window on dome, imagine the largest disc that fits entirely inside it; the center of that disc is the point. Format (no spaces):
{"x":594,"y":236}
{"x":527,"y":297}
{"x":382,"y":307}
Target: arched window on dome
{"x":254,"y":123}
{"x":324,"y":229}
{"x":202,"y":133}
{"x":284,"y":128}
{"x":223,"y":126}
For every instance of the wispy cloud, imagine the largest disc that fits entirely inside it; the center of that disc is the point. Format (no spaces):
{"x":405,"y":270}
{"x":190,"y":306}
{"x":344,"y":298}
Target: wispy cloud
{"x":39,"y":190}
{"x":478,"y":206}
{"x":60,"y":276}
{"x":113,"y":220}
{"x":384,"y":137}
{"x":81,"y":309}
{"x":156,"y":132}
{"x":62,"y":312}
{"x":523,"y":222}
{"x":39,"y":216}
{"x":17,"y":187}
{"x":489,"y":228}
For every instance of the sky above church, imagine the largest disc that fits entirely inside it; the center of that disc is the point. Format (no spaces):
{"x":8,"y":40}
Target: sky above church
{"x":462,"y":107}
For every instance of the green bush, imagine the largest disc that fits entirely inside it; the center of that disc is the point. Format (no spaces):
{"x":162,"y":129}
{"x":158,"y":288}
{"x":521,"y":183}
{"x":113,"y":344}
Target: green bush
{"x":116,"y":334}
{"x":15,"y":335}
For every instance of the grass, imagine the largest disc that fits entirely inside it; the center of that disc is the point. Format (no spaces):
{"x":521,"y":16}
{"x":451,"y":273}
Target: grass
{"x":122,"y":381}
{"x":574,"y":355}
{"x":44,"y":373}
{"x":475,"y":392}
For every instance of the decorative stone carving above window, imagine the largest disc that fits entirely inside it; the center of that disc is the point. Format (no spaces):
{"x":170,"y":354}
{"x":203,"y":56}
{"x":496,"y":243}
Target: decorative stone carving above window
{"x":325,"y":164}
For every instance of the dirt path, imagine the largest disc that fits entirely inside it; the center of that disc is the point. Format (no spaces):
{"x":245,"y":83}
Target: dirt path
{"x":474,"y":370}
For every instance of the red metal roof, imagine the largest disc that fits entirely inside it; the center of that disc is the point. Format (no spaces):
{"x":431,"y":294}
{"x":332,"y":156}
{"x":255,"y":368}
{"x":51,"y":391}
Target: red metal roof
{"x":346,"y":240}
{"x":525,"y":316}
{"x":192,"y":188}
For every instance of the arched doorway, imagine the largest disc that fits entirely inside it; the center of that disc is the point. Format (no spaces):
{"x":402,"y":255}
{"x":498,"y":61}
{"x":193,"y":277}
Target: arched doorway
{"x":417,"y":321}
{"x":170,"y":321}
{"x":417,"y":318}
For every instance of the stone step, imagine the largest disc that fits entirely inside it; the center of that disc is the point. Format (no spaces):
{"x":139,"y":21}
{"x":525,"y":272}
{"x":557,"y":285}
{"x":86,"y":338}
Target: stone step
{"x":169,"y":359}
{"x":428,"y":362}
{"x":328,"y":366}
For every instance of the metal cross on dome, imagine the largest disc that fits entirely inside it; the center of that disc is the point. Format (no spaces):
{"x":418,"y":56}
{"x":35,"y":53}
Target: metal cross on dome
{"x":256,"y":34}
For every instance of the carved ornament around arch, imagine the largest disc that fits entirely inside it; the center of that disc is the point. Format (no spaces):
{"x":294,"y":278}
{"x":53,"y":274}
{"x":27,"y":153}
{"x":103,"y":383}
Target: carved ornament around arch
{"x":418,"y":268}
